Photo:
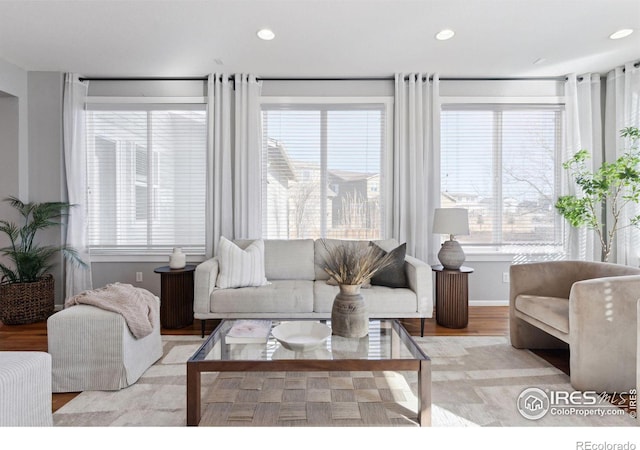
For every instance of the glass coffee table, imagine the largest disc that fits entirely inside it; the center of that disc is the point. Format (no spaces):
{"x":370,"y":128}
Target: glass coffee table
{"x":388,"y":347}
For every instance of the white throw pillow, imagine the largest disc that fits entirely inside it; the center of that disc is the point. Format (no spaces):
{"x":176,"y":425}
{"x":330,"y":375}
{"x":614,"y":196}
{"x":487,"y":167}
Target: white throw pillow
{"x":240,"y":268}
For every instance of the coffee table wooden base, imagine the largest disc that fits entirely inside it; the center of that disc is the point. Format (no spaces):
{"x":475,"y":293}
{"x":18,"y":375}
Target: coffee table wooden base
{"x":198,"y":365}
{"x":195,"y":370}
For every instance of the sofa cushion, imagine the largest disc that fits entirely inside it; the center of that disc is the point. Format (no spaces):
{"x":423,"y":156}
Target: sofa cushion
{"x":280,"y":296}
{"x":286,"y":259}
{"x":289,"y":260}
{"x":240,"y":267}
{"x":320,"y":253}
{"x":379,"y":299}
{"x":552,"y":311}
{"x":392,"y":275}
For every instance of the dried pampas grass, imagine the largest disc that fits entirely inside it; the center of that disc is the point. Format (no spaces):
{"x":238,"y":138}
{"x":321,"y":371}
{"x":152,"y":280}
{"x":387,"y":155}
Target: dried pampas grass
{"x":354,"y":262}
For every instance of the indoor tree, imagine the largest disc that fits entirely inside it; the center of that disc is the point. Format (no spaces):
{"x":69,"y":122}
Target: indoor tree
{"x":612,"y":188}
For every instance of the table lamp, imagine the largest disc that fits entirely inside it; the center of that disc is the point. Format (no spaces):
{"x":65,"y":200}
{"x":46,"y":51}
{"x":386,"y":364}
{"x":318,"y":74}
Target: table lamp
{"x":451,"y":221}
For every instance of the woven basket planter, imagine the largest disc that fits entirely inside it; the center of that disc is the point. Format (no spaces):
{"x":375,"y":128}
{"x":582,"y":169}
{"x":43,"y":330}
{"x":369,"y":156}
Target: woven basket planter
{"x":22,"y":303}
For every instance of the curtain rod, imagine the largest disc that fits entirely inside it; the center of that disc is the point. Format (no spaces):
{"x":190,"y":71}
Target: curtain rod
{"x":558,"y":78}
{"x":561,"y":78}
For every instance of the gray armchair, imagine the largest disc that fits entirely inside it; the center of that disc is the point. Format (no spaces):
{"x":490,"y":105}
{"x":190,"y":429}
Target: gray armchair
{"x":591,"y":307}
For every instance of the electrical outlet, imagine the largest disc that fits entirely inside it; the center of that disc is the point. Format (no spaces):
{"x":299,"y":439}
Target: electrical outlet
{"x":505,"y":277}
{"x":138,"y":277}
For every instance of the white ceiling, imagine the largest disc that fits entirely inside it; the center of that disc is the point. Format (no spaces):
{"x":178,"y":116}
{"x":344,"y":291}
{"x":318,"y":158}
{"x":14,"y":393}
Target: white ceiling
{"x":318,"y":37}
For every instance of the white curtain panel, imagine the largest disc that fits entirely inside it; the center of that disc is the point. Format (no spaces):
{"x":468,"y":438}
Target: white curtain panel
{"x":415,"y":168}
{"x":247,"y":187}
{"x":623,"y":110}
{"x":77,"y":279}
{"x":584,"y":131}
{"x":219,"y":203}
{"x":233,"y":159}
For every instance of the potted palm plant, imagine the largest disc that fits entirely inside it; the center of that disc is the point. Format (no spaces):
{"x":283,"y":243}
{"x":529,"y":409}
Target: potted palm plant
{"x":27,"y":288}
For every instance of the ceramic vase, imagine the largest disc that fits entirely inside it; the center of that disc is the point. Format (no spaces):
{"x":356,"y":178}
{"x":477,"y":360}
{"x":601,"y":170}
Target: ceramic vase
{"x":178,"y":260}
{"x":349,"y":316}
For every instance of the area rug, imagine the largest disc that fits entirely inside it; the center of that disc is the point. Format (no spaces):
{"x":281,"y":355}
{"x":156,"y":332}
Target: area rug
{"x":476,"y":382}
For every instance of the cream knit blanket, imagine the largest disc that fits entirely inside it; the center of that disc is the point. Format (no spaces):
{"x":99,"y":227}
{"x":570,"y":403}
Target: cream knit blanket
{"x":138,"y":306}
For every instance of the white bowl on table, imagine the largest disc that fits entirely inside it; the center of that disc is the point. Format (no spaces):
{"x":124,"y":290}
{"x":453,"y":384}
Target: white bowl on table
{"x":301,"y":335}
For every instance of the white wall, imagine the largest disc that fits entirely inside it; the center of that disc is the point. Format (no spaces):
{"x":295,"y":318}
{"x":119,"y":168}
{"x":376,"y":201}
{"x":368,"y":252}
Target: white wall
{"x":13,"y":137}
{"x":45,"y":167}
{"x":9,"y":146}
{"x":148,"y":88}
{"x":13,"y":81}
{"x":322,"y":88}
{"x":9,"y":149}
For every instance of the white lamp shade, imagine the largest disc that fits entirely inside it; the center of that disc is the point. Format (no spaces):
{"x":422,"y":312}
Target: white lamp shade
{"x":453,"y":221}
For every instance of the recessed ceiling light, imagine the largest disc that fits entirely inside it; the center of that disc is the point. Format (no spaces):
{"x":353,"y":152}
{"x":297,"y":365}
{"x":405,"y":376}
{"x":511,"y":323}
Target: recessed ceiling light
{"x":444,"y":35}
{"x":265,"y":34}
{"x":621,"y":33}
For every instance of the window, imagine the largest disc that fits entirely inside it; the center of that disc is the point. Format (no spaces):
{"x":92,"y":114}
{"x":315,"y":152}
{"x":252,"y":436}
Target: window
{"x":322,"y":169}
{"x":146,"y":177}
{"x":502,"y":163}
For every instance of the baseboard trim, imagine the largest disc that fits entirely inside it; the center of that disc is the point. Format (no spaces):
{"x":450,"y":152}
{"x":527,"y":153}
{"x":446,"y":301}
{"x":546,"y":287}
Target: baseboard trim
{"x":488,"y":302}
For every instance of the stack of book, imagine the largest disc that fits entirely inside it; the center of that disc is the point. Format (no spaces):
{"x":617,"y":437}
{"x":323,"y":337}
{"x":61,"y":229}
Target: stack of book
{"x":249,"y":332}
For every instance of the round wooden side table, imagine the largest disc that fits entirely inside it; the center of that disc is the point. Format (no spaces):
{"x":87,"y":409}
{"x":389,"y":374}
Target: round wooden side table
{"x":452,"y":296}
{"x":176,"y":296}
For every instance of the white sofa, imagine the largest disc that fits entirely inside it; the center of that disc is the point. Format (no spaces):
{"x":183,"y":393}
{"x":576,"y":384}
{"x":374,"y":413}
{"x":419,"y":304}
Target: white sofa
{"x":298,"y":287}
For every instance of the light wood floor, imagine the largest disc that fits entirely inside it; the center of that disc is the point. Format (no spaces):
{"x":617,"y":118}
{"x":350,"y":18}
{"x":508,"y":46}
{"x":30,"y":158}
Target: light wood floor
{"x":483,"y":321}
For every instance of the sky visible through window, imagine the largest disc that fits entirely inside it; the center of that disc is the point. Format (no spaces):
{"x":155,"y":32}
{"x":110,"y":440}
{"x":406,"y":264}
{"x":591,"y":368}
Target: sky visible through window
{"x":528,"y":153}
{"x":353,"y":137}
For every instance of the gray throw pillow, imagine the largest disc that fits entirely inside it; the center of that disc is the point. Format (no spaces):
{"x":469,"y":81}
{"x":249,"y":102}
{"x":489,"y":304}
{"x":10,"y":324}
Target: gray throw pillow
{"x":393,"y":275}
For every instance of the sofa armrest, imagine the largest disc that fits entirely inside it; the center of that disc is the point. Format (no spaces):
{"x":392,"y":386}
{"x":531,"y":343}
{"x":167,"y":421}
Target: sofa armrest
{"x":204,"y":283}
{"x":603,"y":323}
{"x":419,"y":279}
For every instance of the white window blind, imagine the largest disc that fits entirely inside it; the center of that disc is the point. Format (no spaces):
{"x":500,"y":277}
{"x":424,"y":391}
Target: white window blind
{"x":321,"y":173}
{"x":502,"y":163}
{"x":146,"y":177}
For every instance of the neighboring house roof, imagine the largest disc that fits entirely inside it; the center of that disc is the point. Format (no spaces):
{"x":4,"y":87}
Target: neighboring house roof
{"x":348,"y":175}
{"x":461,"y":195}
{"x":277,"y":157}
{"x":449,"y":196}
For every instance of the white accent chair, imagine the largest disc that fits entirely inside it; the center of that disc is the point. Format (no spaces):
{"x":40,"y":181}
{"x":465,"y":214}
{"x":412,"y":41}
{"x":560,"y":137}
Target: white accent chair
{"x":25,"y":389}
{"x":93,"y":350}
{"x":590,"y":306}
